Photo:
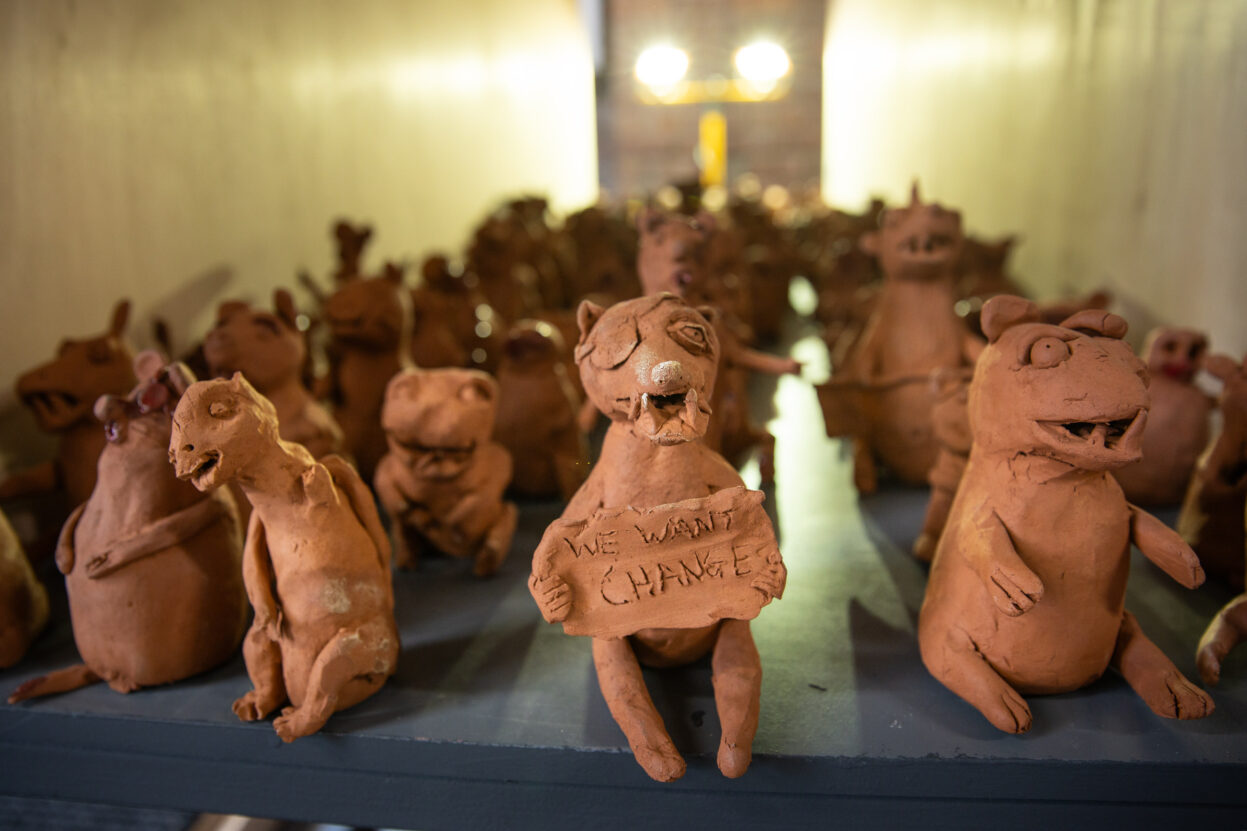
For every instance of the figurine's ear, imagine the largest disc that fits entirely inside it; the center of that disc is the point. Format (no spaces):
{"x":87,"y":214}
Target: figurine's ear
{"x":147,"y":364}
{"x":180,"y":377}
{"x":869,"y":243}
{"x":706,"y":223}
{"x":587,"y":316}
{"x":1221,"y":367}
{"x":1097,"y":322}
{"x":283,"y":304}
{"x":121,"y":314}
{"x":1003,"y":311}
{"x":393,"y":272}
{"x":478,"y":388}
{"x":109,"y":408}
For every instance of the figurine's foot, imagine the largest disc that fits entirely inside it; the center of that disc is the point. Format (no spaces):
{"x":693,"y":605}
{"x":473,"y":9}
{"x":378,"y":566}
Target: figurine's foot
{"x":1154,"y":677}
{"x":497,"y":542}
{"x":737,"y":679}
{"x":663,"y":763}
{"x":122,"y":685}
{"x":254,"y":706}
{"x":1223,"y":634}
{"x":733,"y":760}
{"x":924,"y":547}
{"x":953,"y":658}
{"x":295,"y":722}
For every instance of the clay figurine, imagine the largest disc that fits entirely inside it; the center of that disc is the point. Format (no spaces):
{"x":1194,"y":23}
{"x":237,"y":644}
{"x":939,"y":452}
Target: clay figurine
{"x":152,"y":566}
{"x":1027,"y":590}
{"x":951,"y":424}
{"x":316,"y":563}
{"x":1211,"y":519}
{"x":662,"y":556}
{"x":23,"y":600}
{"x":443,"y":479}
{"x":60,"y":394}
{"x":1177,"y":423}
{"x":882,"y":395}
{"x":349,"y":244}
{"x":537,"y":408}
{"x":271,"y":352}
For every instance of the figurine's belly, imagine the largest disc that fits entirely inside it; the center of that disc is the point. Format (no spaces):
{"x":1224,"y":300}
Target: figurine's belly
{"x":900,"y":428}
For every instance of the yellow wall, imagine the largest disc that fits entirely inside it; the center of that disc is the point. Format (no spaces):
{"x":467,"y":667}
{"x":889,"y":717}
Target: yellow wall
{"x":178,"y":151}
{"x":1111,"y":133}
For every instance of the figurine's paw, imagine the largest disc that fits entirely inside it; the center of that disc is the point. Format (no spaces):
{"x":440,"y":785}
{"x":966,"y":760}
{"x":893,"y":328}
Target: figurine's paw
{"x":1179,"y":698}
{"x":924,"y":547}
{"x":553,"y":595}
{"x":791,"y":367}
{"x":487,"y":561}
{"x":733,"y":760}
{"x":1208,"y":661}
{"x":865,"y":478}
{"x":292,"y":724}
{"x":772,"y":579}
{"x":663,"y":764}
{"x":252,"y":706}
{"x":1015,"y":589}
{"x":1009,"y":712}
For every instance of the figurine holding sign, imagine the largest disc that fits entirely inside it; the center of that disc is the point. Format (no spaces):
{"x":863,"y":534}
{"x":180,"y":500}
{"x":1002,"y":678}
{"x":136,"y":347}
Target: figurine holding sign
{"x":662,"y":555}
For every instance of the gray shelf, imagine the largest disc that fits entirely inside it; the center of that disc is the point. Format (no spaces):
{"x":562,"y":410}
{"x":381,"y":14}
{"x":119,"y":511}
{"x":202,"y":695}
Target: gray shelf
{"x":495,"y":720}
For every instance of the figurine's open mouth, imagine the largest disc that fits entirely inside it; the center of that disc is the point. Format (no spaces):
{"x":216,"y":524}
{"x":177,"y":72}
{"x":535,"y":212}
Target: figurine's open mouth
{"x":201,"y":475}
{"x":1116,"y":435}
{"x":670,"y":418}
{"x":51,"y":406}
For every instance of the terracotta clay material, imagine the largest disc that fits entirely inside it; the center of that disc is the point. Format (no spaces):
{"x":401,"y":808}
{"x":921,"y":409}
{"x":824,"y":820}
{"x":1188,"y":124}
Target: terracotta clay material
{"x":950,"y":420}
{"x":316,"y":562}
{"x":151,"y":565}
{"x":349,"y":243}
{"x":1177,"y":423}
{"x":444,"y":300}
{"x":1027,"y":590}
{"x":697,"y":554}
{"x":23,"y":600}
{"x":60,"y":394}
{"x":443,"y":479}
{"x":270,"y":351}
{"x":882,"y":395}
{"x":1211,"y":520}
{"x":537,"y":408}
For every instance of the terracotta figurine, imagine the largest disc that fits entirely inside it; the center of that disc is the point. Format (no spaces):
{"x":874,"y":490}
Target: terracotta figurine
{"x":1211,"y":520}
{"x":23,"y":600}
{"x":882,"y":395}
{"x":316,"y":563}
{"x":1177,"y":423}
{"x":537,"y":407}
{"x":951,"y":425}
{"x":151,"y":565}
{"x":443,"y":479}
{"x":1027,"y":590}
{"x":60,"y":394}
{"x":690,"y":554}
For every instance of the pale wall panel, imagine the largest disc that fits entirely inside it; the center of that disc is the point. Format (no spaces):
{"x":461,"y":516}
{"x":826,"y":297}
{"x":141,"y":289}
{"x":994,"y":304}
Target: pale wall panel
{"x":1111,"y":133}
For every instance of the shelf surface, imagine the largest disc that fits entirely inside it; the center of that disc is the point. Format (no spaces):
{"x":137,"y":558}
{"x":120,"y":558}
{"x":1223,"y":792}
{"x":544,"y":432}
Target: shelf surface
{"x":494,"y":716}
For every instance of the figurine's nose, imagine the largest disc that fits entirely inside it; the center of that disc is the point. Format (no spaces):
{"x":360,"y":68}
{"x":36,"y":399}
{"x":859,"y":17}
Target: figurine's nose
{"x":668,"y":375}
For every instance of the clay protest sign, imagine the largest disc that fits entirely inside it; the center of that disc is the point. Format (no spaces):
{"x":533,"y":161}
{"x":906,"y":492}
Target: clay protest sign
{"x":682,"y":565}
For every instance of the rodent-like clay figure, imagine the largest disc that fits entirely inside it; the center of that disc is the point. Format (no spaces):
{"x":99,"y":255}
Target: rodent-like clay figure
{"x":152,"y":566}
{"x":270,"y":351}
{"x":882,"y":396}
{"x":537,"y":407}
{"x":370,"y":341}
{"x":1211,"y":520}
{"x":316,"y":563}
{"x":443,"y":479}
{"x":951,"y":423}
{"x":1027,"y":590}
{"x":349,"y":244}
{"x":60,"y":394}
{"x":649,"y":365}
{"x":1177,"y":424}
{"x":23,"y":600}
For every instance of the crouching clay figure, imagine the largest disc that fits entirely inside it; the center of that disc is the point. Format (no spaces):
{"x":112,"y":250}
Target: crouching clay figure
{"x":316,"y":562}
{"x":951,"y":425}
{"x":23,"y":600}
{"x":443,"y":479}
{"x":662,"y":556}
{"x":1027,"y":590}
{"x":151,"y":565}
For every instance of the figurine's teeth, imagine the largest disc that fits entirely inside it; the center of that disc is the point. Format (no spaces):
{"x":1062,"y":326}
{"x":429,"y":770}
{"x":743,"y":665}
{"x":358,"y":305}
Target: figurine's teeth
{"x":1099,"y":435}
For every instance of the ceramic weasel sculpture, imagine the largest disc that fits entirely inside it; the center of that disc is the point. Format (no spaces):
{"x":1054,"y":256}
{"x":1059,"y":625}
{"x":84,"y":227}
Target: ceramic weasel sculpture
{"x":1211,"y":520}
{"x":443,"y":479}
{"x":270,"y":351}
{"x":23,"y":600}
{"x":1027,"y":590}
{"x":882,"y":396}
{"x":649,"y":364}
{"x":60,"y":393}
{"x":316,"y":563}
{"x":951,"y":423}
{"x":152,"y":566}
{"x":537,"y":407}
{"x":1177,"y":423}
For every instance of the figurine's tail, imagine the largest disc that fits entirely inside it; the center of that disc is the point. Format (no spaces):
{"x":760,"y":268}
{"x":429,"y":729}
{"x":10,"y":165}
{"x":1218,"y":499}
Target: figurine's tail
{"x":63,"y":680}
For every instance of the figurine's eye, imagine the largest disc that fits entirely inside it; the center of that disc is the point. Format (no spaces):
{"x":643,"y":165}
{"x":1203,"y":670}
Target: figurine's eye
{"x":99,"y":353}
{"x":692,"y":336}
{"x":220,"y":409}
{"x":1048,"y":352}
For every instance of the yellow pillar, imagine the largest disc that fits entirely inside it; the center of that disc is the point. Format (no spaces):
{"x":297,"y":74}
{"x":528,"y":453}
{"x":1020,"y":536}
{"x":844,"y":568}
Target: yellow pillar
{"x":712,"y":147}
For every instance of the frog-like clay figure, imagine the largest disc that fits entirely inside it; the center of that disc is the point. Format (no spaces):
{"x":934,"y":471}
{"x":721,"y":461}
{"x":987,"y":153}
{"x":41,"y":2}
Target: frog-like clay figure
{"x":270,"y":351}
{"x":1211,"y":520}
{"x":1027,"y":590}
{"x":882,"y":395}
{"x":443,"y":479}
{"x":649,"y":364}
{"x":1177,"y":424}
{"x":151,"y":565}
{"x":60,"y":393}
{"x":951,"y":423}
{"x":23,"y":600}
{"x":316,"y":563}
